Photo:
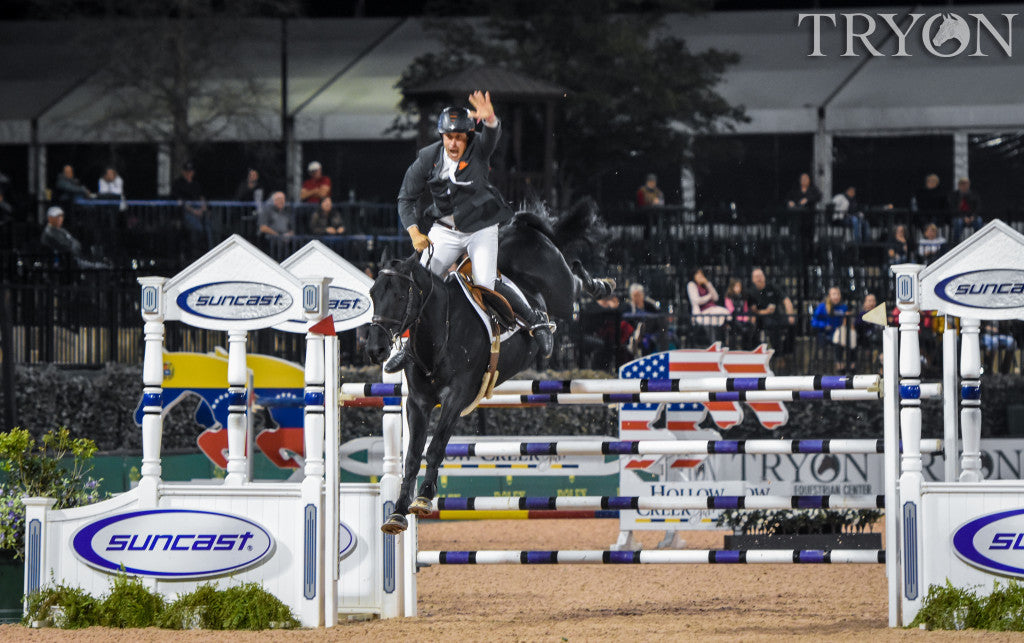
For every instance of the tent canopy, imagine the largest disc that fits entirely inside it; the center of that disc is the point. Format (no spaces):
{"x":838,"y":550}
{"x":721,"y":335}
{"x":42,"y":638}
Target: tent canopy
{"x":342,"y":75}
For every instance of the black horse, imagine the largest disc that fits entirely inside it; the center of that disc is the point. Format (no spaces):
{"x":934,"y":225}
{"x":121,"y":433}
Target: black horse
{"x":449,"y":344}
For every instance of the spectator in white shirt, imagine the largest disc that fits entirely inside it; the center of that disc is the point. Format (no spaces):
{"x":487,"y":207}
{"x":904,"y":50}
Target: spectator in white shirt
{"x":111,"y":184}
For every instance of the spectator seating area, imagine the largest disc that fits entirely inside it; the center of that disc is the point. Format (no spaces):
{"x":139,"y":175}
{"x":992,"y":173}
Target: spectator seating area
{"x":63,"y":313}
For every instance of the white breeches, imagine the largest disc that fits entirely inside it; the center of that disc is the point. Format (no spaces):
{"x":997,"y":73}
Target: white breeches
{"x":481,"y":245}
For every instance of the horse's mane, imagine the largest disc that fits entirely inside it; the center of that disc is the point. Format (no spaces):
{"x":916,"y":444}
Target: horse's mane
{"x":579,"y":232}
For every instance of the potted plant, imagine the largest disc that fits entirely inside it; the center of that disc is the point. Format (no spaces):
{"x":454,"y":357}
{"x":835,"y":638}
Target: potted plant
{"x":57,"y":467}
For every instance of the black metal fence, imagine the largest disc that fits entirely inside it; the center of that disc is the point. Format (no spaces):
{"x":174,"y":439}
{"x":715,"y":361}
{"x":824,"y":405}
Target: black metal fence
{"x":59,"y":311}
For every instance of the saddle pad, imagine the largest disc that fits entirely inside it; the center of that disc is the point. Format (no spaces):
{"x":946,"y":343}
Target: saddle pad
{"x":484,"y":317}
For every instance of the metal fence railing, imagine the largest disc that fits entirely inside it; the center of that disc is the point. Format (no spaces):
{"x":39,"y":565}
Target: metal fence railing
{"x":60,"y":311}
{"x":71,"y":325}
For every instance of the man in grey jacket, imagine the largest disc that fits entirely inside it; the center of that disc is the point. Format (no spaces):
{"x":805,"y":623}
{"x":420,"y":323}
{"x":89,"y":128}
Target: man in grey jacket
{"x":466,"y":208}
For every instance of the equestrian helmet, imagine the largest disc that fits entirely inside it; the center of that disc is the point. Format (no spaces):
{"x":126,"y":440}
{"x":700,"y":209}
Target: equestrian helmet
{"x":455,"y":119}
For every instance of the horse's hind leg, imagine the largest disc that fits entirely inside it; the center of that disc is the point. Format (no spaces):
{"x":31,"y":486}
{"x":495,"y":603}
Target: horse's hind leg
{"x":597,"y":288}
{"x":418,"y":422}
{"x":450,"y":410}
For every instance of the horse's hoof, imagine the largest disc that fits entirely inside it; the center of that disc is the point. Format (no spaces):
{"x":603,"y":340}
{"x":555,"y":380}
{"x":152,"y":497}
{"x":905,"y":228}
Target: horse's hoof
{"x":420,"y":506}
{"x":396,"y":524}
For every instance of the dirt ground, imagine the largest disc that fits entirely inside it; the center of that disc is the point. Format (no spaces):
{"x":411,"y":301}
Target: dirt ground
{"x":598,"y":602}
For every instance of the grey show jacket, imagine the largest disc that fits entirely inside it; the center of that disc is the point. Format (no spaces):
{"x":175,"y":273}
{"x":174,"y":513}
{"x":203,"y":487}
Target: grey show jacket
{"x":473,"y":202}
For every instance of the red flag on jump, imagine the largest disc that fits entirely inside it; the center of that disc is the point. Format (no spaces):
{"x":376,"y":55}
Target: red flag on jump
{"x":324,"y":327}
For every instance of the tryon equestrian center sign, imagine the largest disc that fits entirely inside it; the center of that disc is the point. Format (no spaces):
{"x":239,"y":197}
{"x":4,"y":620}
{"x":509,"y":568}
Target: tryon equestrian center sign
{"x":944,"y":35}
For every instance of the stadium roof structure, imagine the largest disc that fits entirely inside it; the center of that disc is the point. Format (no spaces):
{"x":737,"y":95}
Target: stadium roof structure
{"x":342,"y":75}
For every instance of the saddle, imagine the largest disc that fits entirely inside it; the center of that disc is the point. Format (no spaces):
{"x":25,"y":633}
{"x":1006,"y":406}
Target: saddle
{"x":493,"y":304}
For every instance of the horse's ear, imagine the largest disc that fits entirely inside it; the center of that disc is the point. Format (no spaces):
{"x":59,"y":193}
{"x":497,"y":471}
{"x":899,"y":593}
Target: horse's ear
{"x":385,"y":256}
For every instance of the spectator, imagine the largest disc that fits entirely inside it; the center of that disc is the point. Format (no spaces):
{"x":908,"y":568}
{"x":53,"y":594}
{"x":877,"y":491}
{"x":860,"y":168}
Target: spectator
{"x":649,"y":194}
{"x":966,"y":208}
{"x":899,"y":247}
{"x":57,"y":238}
{"x":929,"y":200}
{"x":607,"y":334}
{"x":649,"y":334}
{"x":930,"y":245}
{"x":275,"y":219}
{"x":828,"y":319}
{"x":775,"y":314}
{"x":868,"y":335}
{"x":67,"y":188}
{"x":805,"y":196}
{"x":326,"y":219}
{"x":189,"y":194}
{"x":317,"y":187}
{"x":250,"y":190}
{"x":999,"y":347}
{"x":743,"y":332}
{"x":111,"y":184}
{"x":846,"y":210}
{"x":703,"y":301}
{"x":802,"y":201}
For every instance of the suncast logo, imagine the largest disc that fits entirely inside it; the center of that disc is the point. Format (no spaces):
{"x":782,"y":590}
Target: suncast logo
{"x":347,"y":304}
{"x":944,"y":35}
{"x":993,"y":543}
{"x":235,"y":300}
{"x":172,"y":543}
{"x":993,"y":289}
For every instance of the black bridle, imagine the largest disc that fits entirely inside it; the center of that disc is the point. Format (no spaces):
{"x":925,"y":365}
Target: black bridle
{"x":412,"y":311}
{"x":416,"y":302}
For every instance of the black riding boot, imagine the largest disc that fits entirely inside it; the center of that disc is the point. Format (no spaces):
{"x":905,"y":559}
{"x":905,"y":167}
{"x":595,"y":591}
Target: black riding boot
{"x":539,"y":326}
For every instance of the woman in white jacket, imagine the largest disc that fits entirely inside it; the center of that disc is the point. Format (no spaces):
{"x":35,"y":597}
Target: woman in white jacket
{"x":704,"y":304}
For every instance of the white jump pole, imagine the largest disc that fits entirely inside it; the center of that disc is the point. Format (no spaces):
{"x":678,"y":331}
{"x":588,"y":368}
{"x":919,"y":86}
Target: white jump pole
{"x":950,"y":404}
{"x":394,"y":567}
{"x":890,"y":412}
{"x":317,"y":590}
{"x":332,"y":482}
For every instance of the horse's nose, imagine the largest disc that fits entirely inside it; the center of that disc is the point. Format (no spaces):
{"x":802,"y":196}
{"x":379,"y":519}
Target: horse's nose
{"x":376,"y":348}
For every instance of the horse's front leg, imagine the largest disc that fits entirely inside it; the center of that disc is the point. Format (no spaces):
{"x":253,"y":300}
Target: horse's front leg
{"x":419,"y":417}
{"x":451,"y":406}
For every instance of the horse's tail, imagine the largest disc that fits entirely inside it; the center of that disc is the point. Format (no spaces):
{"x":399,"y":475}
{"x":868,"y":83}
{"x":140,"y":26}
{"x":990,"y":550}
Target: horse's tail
{"x":582,"y":235}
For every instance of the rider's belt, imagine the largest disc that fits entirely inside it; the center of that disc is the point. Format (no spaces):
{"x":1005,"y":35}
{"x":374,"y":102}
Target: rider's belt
{"x":445,"y":225}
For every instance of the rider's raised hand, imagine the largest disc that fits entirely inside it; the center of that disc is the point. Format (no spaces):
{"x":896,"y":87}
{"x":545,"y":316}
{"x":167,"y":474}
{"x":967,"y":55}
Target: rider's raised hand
{"x":482,"y":108}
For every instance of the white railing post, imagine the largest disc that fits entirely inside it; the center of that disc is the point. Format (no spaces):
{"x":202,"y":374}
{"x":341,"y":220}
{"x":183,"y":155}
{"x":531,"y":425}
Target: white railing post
{"x":315,"y":581}
{"x":970,"y":400}
{"x":908,"y":301}
{"x":237,"y":378}
{"x":152,"y":299}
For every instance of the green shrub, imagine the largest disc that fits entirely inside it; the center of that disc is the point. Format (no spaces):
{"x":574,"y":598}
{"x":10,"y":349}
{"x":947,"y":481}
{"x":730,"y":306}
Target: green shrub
{"x":130,"y":604}
{"x":62,"y":606}
{"x":954,"y":608}
{"x":250,"y":607}
{"x":198,"y":609}
{"x":56,"y":467}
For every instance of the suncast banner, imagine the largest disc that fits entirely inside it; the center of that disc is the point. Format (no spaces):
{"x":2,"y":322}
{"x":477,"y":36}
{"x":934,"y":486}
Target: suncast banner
{"x":172,"y":543}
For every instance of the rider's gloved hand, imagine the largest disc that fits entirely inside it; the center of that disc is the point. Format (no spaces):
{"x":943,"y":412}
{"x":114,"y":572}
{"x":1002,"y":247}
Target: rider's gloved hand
{"x":420,"y":241}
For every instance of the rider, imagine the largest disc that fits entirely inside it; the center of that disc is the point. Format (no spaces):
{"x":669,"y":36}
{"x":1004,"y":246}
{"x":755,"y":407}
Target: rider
{"x":466,"y":208}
